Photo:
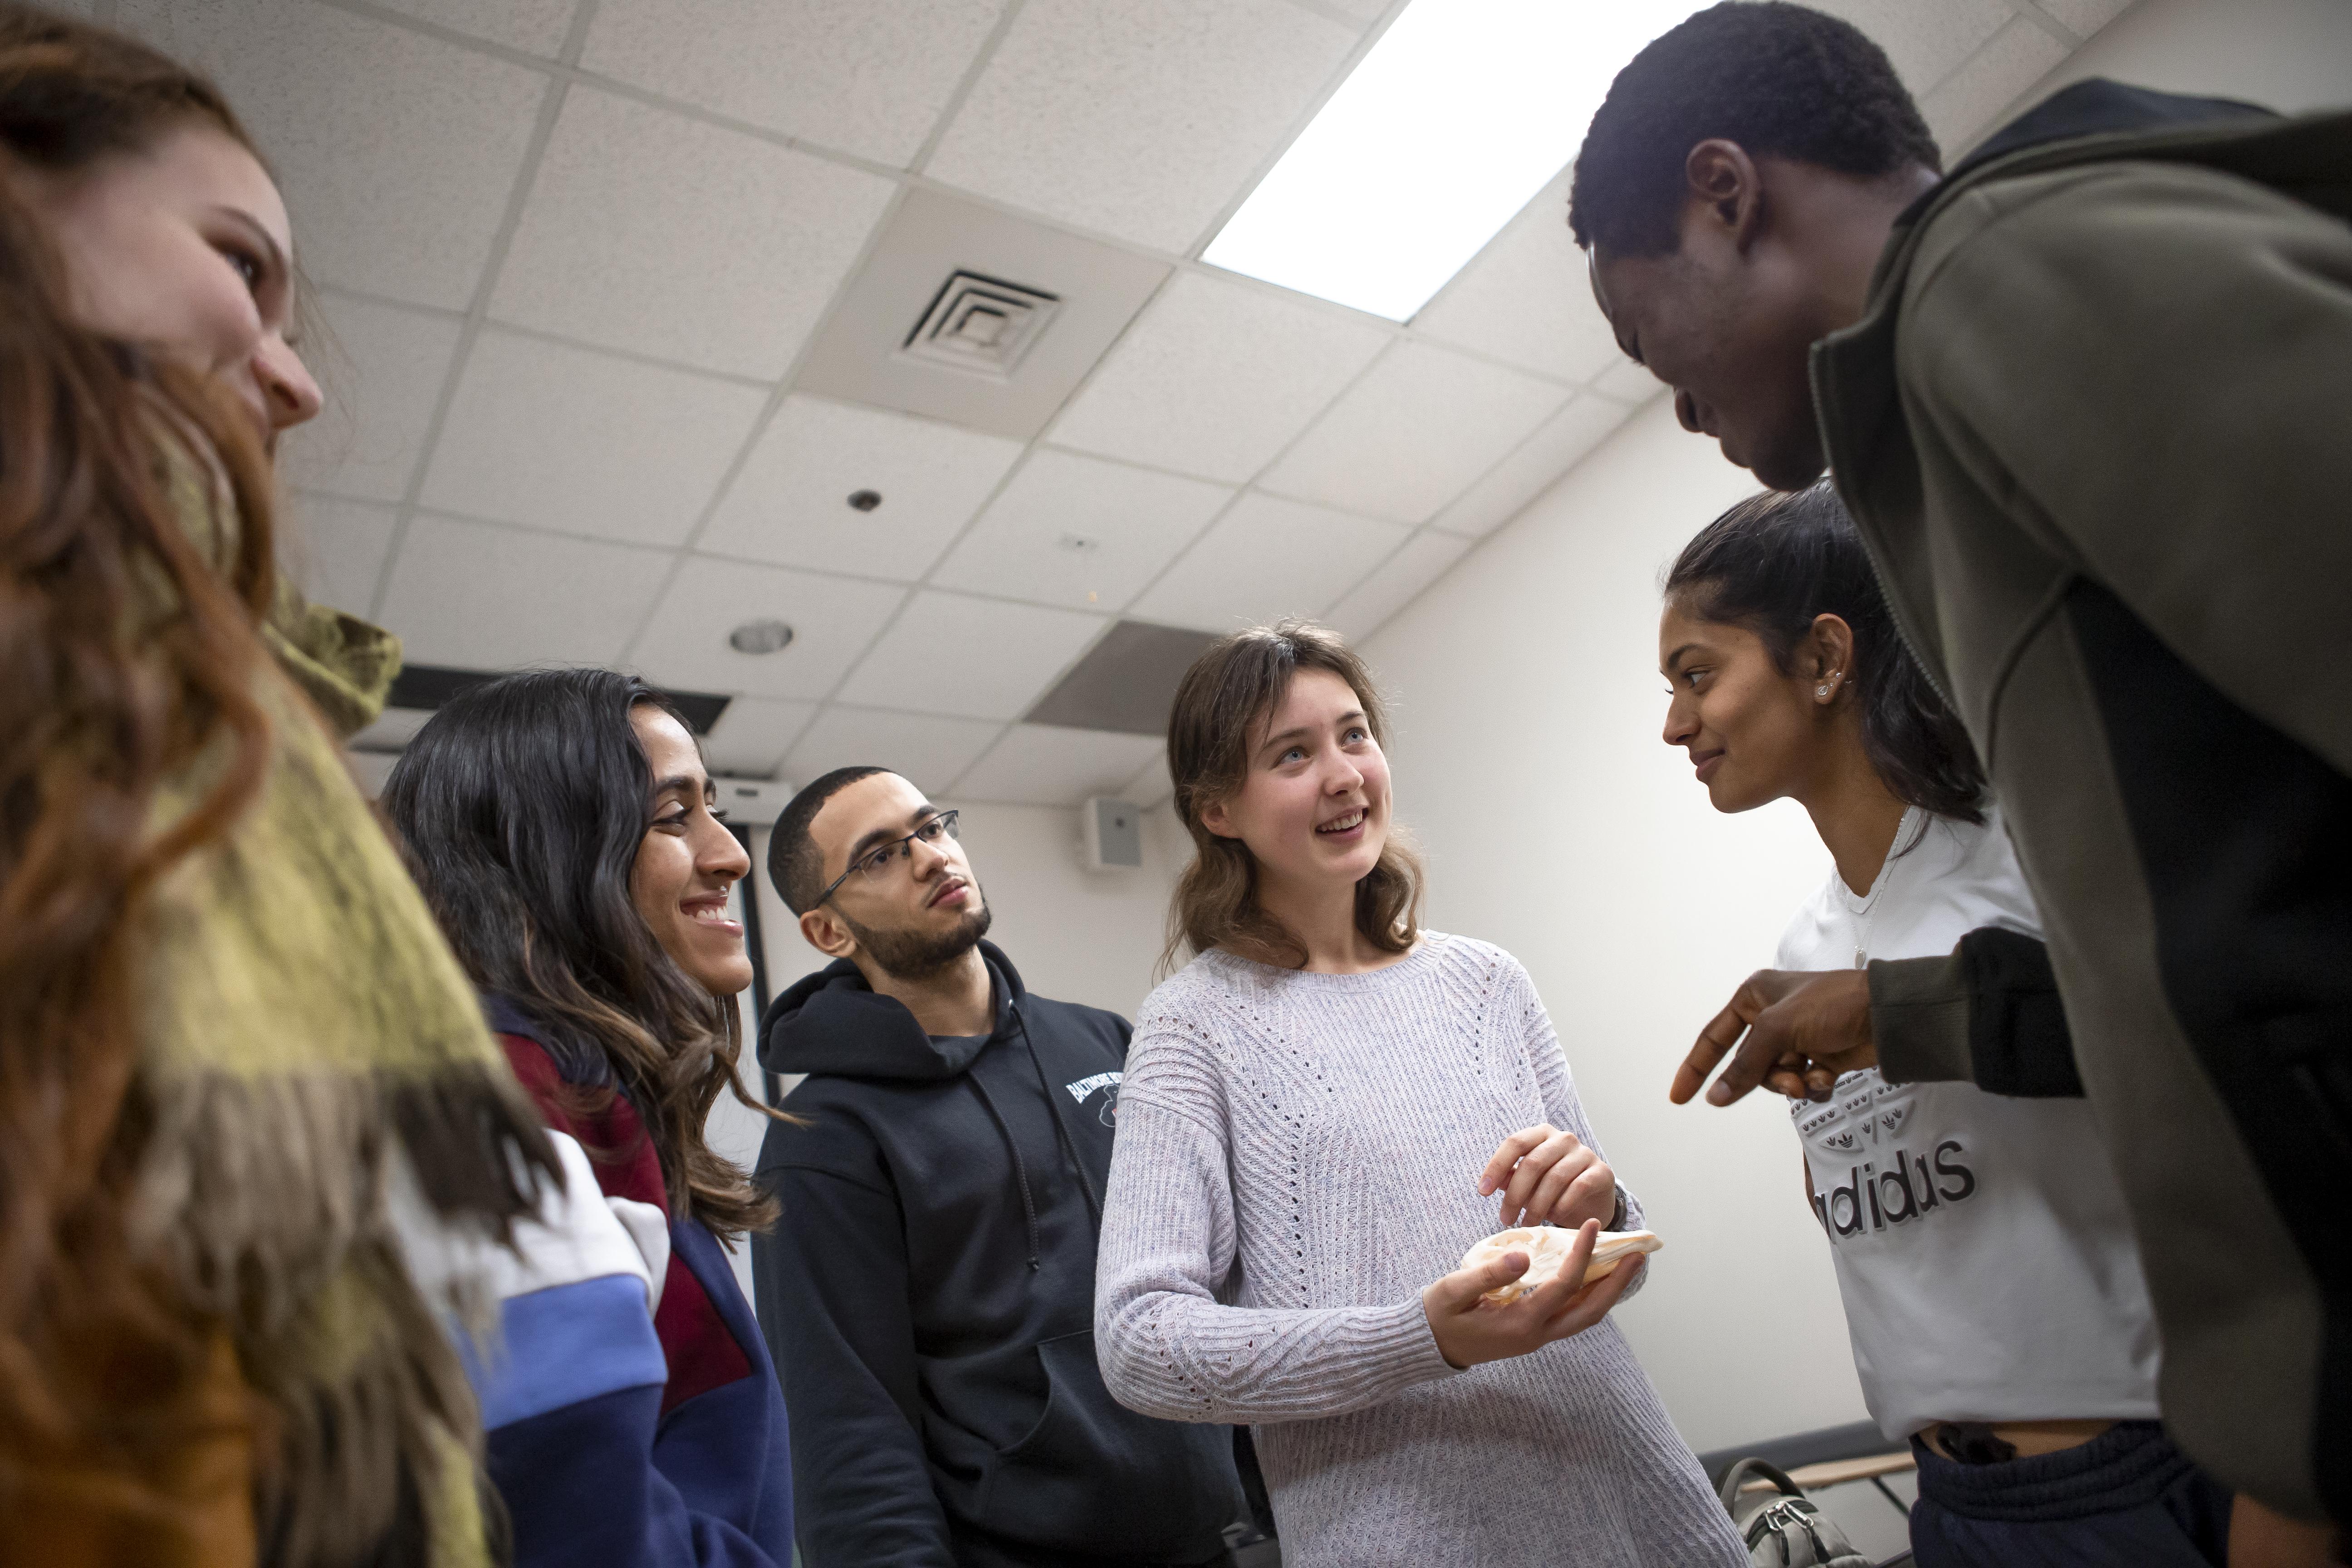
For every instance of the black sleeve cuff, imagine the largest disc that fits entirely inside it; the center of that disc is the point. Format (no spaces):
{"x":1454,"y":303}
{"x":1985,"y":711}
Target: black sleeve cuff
{"x":2019,"y":1043}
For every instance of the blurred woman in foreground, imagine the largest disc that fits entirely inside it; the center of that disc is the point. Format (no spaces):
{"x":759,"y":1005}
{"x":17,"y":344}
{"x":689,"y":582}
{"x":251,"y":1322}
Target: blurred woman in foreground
{"x":227,"y":1020}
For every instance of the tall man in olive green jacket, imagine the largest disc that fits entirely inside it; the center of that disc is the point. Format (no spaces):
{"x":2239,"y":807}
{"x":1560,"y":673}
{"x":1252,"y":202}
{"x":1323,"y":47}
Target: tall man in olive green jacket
{"x":2090,"y":400}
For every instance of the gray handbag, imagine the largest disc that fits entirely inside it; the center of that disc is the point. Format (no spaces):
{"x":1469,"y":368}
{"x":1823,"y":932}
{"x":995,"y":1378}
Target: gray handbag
{"x":1781,"y":1527}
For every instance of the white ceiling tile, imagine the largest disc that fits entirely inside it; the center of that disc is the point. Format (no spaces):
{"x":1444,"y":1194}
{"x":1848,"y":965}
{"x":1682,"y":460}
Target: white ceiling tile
{"x":1966,"y":102}
{"x":1927,"y":43}
{"x":1419,"y":427}
{"x":648,"y":231}
{"x":790,"y":504}
{"x":1359,"y":11}
{"x":381,"y":368}
{"x":1525,"y":298}
{"x":334,"y":550}
{"x":752,"y":736}
{"x":1629,"y":383}
{"x":1424,"y":559}
{"x":929,"y":752}
{"x":869,"y":77}
{"x":2084,"y":17}
{"x":1141,"y":119}
{"x":1550,"y":452}
{"x":833,"y":621}
{"x":980,"y":659}
{"x":1215,"y":377}
{"x":1151,"y":785}
{"x":565,"y":438}
{"x":397,"y":152}
{"x":1265,"y":558}
{"x":1129,"y":521}
{"x":1041,"y":764}
{"x":483,"y":597}
{"x":535,"y":26}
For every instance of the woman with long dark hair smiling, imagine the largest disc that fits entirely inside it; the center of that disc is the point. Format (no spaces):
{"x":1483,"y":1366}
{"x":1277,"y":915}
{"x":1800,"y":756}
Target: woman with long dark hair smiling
{"x":1990,"y":1279}
{"x":563,"y":829}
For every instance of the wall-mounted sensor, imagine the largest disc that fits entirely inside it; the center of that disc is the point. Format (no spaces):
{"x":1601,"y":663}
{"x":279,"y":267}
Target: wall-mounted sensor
{"x":1110,"y":835}
{"x":761,"y":636}
{"x":865,"y":501}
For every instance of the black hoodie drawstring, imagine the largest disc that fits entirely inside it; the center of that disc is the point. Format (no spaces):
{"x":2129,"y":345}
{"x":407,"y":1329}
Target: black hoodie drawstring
{"x":1020,"y":1168}
{"x":1061,"y":1129}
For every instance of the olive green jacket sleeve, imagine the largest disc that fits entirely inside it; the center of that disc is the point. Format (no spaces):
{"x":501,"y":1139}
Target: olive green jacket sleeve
{"x":2136,"y":356}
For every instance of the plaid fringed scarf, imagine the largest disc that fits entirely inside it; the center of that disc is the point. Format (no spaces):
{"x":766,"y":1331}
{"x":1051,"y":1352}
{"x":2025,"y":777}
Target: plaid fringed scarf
{"x":305,"y":1025}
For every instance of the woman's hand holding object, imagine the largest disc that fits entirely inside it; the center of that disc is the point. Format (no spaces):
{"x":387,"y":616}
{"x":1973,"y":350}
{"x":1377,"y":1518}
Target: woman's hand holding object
{"x":1470,"y":1329}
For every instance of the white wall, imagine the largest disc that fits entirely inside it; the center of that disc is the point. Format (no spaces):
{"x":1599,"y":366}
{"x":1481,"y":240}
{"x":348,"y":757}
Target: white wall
{"x":1558,"y":825}
{"x":2290,"y":55}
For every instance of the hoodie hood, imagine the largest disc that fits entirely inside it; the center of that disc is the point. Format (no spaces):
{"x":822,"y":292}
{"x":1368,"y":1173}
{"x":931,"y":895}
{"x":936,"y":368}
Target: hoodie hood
{"x":833,"y":1021}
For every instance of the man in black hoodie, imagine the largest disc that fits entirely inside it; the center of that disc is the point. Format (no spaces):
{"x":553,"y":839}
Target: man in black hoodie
{"x":929,"y":1291}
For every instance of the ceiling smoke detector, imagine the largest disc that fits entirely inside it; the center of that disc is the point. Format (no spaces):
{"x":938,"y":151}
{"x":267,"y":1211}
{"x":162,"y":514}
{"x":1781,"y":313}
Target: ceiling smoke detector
{"x":761,"y":636}
{"x":980,"y":324}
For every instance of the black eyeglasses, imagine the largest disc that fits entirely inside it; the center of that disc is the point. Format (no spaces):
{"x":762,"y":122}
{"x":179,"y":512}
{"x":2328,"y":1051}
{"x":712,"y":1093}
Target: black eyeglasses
{"x":876,"y":863}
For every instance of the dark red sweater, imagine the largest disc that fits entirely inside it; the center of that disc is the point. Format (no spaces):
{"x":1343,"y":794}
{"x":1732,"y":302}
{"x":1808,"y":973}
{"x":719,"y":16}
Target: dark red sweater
{"x":701,"y":1353}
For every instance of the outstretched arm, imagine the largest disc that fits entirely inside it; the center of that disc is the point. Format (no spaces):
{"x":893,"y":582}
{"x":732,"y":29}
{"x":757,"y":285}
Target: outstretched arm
{"x":1987,"y":1013}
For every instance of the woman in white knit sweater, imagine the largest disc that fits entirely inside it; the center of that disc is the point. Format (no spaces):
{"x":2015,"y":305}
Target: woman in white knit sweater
{"x":1317,"y":1116}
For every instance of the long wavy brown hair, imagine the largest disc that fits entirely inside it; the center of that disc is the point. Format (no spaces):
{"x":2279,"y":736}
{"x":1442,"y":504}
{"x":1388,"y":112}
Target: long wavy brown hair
{"x":126,"y":652}
{"x":1226,"y":697}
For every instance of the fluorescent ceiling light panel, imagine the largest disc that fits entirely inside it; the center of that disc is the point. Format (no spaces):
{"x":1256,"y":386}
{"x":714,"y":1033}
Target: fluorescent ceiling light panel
{"x":1457,"y":116}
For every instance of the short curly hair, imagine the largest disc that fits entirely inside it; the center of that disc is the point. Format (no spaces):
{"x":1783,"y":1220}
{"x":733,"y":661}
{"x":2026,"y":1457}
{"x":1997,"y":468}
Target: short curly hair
{"x":1774,"y":77}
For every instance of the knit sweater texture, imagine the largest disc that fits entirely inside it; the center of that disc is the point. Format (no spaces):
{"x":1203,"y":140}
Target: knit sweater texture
{"x":1298,"y":1158}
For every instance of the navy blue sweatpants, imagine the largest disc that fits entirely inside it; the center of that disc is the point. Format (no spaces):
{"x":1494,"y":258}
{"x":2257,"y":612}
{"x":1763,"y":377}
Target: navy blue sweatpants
{"x":2126,"y":1498}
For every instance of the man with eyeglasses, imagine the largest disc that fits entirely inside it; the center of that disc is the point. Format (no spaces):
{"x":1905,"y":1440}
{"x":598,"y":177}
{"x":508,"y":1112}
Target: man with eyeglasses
{"x":928,"y":1291}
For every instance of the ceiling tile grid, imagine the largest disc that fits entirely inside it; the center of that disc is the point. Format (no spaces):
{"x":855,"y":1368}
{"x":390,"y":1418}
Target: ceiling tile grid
{"x":752,"y":736}
{"x":1081,"y":532}
{"x":1141,"y":119}
{"x":534,"y":27}
{"x":574,"y":262}
{"x":1964,"y":102}
{"x":790,"y":502}
{"x":1412,"y":432}
{"x":1555,"y":447}
{"x":580,"y":442}
{"x":1425,"y":557}
{"x":334,"y":550}
{"x":382,"y":368}
{"x":1216,"y":377}
{"x":933,"y":751}
{"x":478,"y":597}
{"x":951,"y":654}
{"x":397,"y":152}
{"x":805,"y":67}
{"x":833,"y":621}
{"x":666,"y":237}
{"x":1268,"y":558}
{"x":1524,"y":299}
{"x":1039,"y":764}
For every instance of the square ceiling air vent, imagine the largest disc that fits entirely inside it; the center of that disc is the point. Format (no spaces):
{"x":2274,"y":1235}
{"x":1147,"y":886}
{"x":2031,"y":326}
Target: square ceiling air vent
{"x":980,"y":324}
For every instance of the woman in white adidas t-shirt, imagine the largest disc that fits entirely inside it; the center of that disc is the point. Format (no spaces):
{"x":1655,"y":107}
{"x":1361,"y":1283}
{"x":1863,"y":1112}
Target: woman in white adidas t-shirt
{"x":1991,"y":1285}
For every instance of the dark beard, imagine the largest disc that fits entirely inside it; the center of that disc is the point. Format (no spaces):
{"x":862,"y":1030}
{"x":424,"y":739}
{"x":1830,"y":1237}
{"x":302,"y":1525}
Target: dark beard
{"x":919,"y":956}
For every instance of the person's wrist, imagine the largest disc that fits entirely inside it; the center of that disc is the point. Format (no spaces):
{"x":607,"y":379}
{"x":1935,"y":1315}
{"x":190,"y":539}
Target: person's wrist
{"x":1431,"y":1314}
